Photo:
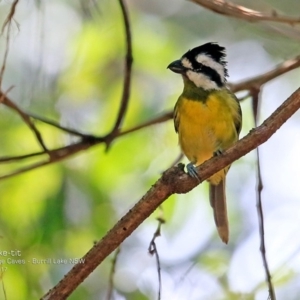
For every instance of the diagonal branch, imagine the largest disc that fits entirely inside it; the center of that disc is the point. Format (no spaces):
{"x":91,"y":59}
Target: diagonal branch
{"x":230,"y":9}
{"x":173,"y":180}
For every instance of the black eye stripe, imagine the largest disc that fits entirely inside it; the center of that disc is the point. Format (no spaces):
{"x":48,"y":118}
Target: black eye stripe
{"x":196,"y":65}
{"x":211,"y":73}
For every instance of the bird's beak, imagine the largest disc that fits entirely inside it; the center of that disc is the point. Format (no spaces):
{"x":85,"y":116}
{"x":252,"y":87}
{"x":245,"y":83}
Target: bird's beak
{"x":177,"y":67}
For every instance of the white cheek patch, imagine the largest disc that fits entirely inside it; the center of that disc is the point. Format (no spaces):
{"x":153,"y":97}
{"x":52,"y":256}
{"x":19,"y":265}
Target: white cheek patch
{"x":209,"y":62}
{"x":186,"y":63}
{"x":201,"y":80}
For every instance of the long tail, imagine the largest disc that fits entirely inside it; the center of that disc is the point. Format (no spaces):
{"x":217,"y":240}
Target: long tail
{"x":217,"y":199}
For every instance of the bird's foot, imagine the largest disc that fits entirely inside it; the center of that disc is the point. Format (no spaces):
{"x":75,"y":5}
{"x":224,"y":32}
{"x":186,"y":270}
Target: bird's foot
{"x":218,"y":152}
{"x":192,"y":171}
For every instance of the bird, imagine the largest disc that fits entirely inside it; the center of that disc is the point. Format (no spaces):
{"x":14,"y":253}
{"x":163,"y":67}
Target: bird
{"x":208,"y":119}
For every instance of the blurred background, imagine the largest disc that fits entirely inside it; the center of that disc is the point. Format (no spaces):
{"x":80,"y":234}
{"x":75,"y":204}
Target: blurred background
{"x":65,"y":63}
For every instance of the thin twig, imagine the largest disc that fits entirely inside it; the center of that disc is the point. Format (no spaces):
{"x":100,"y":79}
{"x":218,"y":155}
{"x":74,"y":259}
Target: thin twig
{"x":255,"y":108}
{"x":6,"y":101}
{"x":260,"y":214}
{"x":4,"y":60}
{"x":153,"y":251}
{"x":174,"y":180}
{"x":9,"y":159}
{"x":111,"y":274}
{"x":58,"y":126}
{"x":128,"y":67}
{"x":260,"y":80}
{"x":56,"y":155}
{"x":3,"y":97}
{"x":10,"y":16}
{"x":160,"y":119}
{"x":241,"y":12}
{"x":7,"y":24}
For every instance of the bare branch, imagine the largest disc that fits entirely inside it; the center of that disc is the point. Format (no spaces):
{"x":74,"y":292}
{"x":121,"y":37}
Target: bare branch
{"x":6,"y":101}
{"x":7,"y":24}
{"x":55,"y":156}
{"x":260,"y":215}
{"x":4,"y":62}
{"x":258,"y":81}
{"x":8,"y":159}
{"x":86,"y":142}
{"x":58,"y":126}
{"x":89,"y":140}
{"x":10,"y":16}
{"x":255,"y":108}
{"x":111,"y":274}
{"x":160,"y":119}
{"x":153,"y":251}
{"x":241,"y":12}
{"x":174,"y":180}
{"x":128,"y":67}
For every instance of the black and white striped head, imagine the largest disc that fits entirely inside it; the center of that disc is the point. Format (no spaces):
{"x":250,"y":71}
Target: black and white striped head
{"x":205,"y":66}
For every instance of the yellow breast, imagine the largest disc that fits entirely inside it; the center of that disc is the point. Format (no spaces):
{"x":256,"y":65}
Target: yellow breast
{"x":205,"y":127}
